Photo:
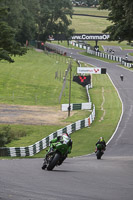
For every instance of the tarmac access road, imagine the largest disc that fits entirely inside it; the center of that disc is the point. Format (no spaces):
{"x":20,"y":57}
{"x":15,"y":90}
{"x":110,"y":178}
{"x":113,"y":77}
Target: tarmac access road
{"x":81,"y":178}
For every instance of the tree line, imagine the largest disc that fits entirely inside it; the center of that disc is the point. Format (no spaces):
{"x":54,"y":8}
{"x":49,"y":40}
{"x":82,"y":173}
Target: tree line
{"x":23,"y":20}
{"x":121,"y":16}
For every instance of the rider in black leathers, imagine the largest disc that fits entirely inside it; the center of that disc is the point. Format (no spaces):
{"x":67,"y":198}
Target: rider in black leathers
{"x":102,"y":142}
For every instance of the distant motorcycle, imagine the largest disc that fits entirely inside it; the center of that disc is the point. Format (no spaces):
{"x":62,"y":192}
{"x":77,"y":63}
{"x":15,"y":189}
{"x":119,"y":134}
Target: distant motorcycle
{"x":57,"y":153}
{"x":99,"y":151}
{"x":121,"y":77}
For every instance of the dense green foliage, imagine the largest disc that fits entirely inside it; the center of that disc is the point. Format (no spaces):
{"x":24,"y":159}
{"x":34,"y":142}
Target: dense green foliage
{"x":24,"y":20}
{"x":37,"y":19}
{"x":121,"y":16}
{"x":5,"y":136}
{"x":8,"y":45}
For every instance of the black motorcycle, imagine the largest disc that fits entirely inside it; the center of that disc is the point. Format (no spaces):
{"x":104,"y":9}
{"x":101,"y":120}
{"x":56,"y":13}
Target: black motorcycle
{"x":100,"y":151}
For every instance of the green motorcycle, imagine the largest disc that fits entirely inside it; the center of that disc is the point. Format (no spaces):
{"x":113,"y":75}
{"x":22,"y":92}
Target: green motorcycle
{"x":57,"y":153}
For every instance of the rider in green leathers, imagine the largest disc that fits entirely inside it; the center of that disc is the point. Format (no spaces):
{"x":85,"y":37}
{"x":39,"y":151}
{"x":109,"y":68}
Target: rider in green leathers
{"x":61,"y":145}
{"x":64,"y":138}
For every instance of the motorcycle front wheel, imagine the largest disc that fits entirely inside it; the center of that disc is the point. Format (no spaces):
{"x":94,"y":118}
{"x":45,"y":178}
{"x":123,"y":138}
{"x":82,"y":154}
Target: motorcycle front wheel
{"x":53,"y":162}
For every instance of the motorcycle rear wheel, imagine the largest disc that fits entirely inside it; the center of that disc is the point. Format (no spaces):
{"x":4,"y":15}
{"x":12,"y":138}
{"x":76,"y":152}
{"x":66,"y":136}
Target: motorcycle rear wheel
{"x":98,"y":155}
{"x":53,"y":162}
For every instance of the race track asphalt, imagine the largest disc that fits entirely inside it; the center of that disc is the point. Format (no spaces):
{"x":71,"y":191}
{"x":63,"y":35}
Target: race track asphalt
{"x":81,"y":178}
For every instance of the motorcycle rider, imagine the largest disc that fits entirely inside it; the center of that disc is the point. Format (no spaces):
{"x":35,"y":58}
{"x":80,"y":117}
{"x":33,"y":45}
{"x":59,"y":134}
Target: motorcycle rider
{"x":65,"y":139}
{"x":102,"y":142}
{"x":121,"y":77}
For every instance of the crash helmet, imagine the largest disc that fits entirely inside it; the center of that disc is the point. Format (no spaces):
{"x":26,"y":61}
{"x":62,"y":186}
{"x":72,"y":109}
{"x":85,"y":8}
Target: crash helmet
{"x":101,"y":139}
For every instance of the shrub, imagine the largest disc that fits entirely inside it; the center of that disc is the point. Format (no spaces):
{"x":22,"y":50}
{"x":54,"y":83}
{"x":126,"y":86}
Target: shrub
{"x":7,"y":134}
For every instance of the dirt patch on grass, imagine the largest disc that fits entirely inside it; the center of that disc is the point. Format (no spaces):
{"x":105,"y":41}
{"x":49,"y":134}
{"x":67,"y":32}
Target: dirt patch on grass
{"x":32,"y":115}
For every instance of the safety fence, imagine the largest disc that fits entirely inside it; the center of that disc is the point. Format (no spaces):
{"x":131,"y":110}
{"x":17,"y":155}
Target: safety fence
{"x":124,"y":62}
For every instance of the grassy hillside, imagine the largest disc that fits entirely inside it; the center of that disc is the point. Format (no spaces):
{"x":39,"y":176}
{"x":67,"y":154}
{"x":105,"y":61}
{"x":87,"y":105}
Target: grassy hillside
{"x":85,"y":24}
{"x":31,"y":80}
